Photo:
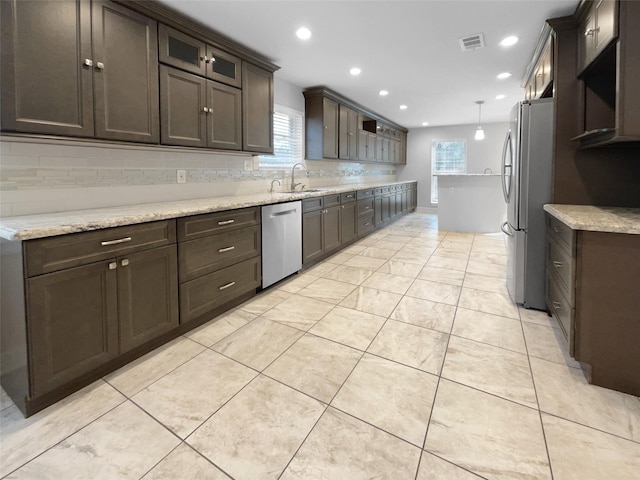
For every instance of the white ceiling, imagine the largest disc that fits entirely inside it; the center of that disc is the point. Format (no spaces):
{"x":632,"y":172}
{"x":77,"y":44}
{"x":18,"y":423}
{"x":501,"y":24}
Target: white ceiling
{"x":409,"y":48}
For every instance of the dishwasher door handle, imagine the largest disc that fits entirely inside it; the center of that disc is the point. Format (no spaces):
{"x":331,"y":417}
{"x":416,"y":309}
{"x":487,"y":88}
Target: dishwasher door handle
{"x":285,"y":212}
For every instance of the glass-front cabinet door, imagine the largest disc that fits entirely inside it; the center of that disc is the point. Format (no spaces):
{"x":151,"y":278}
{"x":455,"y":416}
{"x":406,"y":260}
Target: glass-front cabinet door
{"x":223,"y":67}
{"x":182,"y":51}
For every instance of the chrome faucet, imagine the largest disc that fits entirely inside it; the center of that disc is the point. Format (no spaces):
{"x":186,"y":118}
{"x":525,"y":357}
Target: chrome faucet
{"x":293,"y":172}
{"x":272,"y":182}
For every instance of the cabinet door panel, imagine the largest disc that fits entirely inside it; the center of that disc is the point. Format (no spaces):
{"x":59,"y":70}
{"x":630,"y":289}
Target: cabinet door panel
{"x":224,"y":121}
{"x":331,"y":226}
{"x":126,"y":88}
{"x":147,"y":295}
{"x":348,"y":139}
{"x":224,"y":67}
{"x":182,"y":104}
{"x":29,"y":77}
{"x":348,"y":222}
{"x":257,"y":109}
{"x":180,"y":50}
{"x":73,"y":324}
{"x":330,"y":126}
{"x":312,"y":239}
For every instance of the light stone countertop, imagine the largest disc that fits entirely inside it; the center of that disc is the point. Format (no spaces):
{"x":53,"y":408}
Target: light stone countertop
{"x":597,"y":219}
{"x":466,"y":174}
{"x":49,"y":224}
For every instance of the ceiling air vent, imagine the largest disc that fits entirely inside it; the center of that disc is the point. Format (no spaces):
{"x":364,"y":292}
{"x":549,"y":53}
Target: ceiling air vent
{"x":472,"y":42}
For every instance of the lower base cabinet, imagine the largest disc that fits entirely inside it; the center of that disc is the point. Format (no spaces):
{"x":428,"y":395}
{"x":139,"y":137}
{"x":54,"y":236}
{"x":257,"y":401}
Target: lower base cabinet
{"x":321,"y":227}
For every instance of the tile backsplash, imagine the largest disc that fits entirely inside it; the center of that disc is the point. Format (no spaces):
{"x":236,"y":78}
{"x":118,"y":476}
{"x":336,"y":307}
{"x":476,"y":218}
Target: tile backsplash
{"x":38,"y":176}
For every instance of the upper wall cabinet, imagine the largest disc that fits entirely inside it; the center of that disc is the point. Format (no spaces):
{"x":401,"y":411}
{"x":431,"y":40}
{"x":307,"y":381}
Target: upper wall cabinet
{"x":190,"y":54}
{"x":337,"y":128}
{"x":538,"y":80}
{"x":608,"y":51}
{"x":90,"y":69}
{"x":257,"y":109}
{"x":65,"y":73}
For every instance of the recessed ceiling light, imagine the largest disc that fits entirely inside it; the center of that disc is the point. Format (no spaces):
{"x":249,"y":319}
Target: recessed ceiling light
{"x":424,"y":124}
{"x":383,"y":93}
{"x":403,"y":107}
{"x":507,"y":42}
{"x":355,"y":71}
{"x":500,"y":97}
{"x":303,"y":33}
{"x":504,"y":75}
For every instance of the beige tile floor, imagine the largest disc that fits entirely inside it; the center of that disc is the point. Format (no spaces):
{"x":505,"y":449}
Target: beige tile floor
{"x":401,"y":357}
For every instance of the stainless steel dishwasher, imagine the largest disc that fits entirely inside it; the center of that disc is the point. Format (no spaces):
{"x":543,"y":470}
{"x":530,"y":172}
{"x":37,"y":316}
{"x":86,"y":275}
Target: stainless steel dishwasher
{"x":281,"y":241}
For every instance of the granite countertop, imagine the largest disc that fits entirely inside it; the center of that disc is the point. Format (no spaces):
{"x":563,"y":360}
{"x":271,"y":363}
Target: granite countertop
{"x":597,"y":219}
{"x":466,"y":174}
{"x":49,"y":224}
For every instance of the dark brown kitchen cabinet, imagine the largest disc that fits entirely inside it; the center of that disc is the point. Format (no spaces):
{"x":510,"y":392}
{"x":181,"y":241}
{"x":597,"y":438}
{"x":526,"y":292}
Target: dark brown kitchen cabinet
{"x":348,"y":217}
{"x":257,"y":109}
{"x":93,"y":72}
{"x":29,"y":77}
{"x":219,"y":261}
{"x":73,"y":324}
{"x":365,"y":211}
{"x":91,"y":298}
{"x":147,"y":295}
{"x":598,"y":28}
{"x":199,"y":113}
{"x":321,"y":227}
{"x":195,"y":56}
{"x":348,"y":134}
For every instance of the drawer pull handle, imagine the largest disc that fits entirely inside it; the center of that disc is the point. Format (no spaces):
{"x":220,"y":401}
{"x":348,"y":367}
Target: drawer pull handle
{"x":558,"y":264}
{"x":124,"y":262}
{"x":113,"y":265}
{"x":367,"y":224}
{"x":557,"y":305}
{"x":115,"y":242}
{"x":224,"y":287}
{"x":557,"y":230}
{"x":367,"y":208}
{"x":226,"y":249}
{"x":226,"y":222}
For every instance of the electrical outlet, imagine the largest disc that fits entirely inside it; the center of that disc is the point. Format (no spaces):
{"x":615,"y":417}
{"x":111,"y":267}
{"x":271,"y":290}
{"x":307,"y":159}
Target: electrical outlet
{"x":181,"y":176}
{"x":248,"y":165}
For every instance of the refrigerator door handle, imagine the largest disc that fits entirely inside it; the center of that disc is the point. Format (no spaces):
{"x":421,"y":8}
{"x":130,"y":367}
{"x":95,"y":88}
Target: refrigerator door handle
{"x":505,"y":229}
{"x":506,"y":177}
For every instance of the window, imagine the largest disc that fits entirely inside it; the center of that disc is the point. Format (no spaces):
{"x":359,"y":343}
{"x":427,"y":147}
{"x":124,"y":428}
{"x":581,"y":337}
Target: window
{"x":447,"y":156}
{"x":287,"y":139}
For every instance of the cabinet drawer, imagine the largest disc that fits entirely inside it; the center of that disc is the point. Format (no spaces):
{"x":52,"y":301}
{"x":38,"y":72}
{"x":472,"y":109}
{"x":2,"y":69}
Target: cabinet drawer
{"x":559,"y":261}
{"x":560,"y":308}
{"x":311,"y":204}
{"x":205,"y":255}
{"x":379,"y":191}
{"x":51,"y":254}
{"x":562,"y":233}
{"x":331,"y":200}
{"x":200,"y":296}
{"x":365,"y":206}
{"x":369,"y":192}
{"x":365,"y":224}
{"x":202,"y":225}
{"x":347,"y":197}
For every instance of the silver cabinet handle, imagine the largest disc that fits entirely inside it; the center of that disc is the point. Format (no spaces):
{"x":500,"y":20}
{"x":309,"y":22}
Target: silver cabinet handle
{"x":212,"y":59}
{"x":115,"y":242}
{"x":113,"y":265}
{"x":557,"y":305}
{"x":367,"y":224}
{"x":88,"y":62}
{"x":224,"y":287}
{"x":124,"y":262}
{"x":100,"y":65}
{"x":367,"y":208}
{"x":205,"y":59}
{"x":226,"y":249}
{"x":342,"y":206}
{"x":558,"y":264}
{"x":226,"y":222}
{"x":591,"y":31}
{"x":205,"y":109}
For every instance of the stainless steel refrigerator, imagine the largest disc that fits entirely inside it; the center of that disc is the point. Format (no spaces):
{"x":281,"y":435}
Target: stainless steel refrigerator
{"x":527,"y":159}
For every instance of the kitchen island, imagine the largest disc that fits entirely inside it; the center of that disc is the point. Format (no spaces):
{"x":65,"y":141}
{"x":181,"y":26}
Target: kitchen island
{"x":593,"y":289}
{"x":470,"y":202}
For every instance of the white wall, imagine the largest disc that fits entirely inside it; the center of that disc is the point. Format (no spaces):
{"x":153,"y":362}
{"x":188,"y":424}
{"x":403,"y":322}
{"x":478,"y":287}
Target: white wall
{"x":480,"y":154}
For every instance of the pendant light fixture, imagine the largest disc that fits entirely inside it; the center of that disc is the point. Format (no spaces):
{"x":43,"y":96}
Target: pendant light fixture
{"x":479,"y":131}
